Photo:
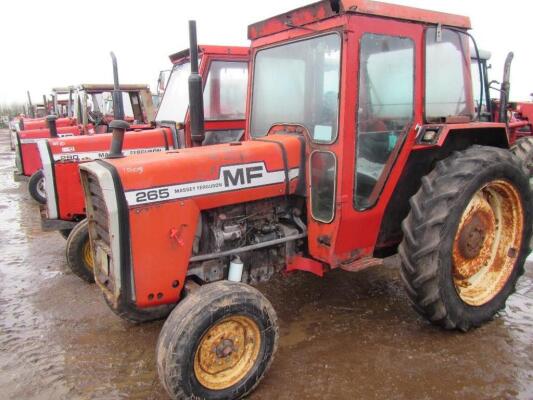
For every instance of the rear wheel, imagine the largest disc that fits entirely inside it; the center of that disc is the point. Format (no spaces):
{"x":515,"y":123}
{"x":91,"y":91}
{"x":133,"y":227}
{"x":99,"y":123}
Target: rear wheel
{"x":217,"y":343}
{"x":466,"y":237}
{"x":36,"y":187}
{"x":79,"y":252}
{"x":523,"y":149}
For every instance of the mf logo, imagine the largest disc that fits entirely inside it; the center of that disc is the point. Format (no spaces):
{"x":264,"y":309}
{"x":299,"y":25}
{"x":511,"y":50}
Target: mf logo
{"x":241,"y":175}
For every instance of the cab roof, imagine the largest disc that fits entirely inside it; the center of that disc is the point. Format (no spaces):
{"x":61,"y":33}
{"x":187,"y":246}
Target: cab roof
{"x":107,"y":87}
{"x":331,"y":8}
{"x":211,"y":50}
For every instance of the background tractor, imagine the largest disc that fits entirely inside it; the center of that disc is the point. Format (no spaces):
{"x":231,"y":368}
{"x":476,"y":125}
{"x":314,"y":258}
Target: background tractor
{"x":92,"y":109}
{"x":225,"y":72}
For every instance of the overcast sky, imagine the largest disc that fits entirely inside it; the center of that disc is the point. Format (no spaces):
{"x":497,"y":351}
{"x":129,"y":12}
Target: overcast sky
{"x":62,"y":42}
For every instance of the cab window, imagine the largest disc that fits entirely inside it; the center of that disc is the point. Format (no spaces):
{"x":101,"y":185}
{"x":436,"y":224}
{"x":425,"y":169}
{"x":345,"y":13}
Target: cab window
{"x":385,"y":111}
{"x":225,"y":91}
{"x":447,"y":76}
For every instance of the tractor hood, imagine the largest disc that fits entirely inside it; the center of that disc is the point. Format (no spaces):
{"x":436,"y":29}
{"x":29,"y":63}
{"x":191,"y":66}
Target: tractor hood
{"x":28,"y":136}
{"x":213,"y":175}
{"x":87,"y":148}
{"x":41,"y":123}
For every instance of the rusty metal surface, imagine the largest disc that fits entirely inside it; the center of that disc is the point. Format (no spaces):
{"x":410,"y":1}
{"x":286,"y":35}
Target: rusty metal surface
{"x":487,"y":242}
{"x":227,"y":352}
{"x":322,"y":10}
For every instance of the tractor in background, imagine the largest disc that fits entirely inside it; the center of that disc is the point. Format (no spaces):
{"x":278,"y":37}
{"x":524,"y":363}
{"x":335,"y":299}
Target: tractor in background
{"x":224,"y":70}
{"x":92,"y":110}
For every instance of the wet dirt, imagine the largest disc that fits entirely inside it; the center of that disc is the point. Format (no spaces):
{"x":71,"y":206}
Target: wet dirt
{"x":346,"y":336}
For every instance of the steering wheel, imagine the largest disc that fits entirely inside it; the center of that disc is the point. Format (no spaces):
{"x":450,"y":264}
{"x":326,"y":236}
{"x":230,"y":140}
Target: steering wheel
{"x":96,"y":117}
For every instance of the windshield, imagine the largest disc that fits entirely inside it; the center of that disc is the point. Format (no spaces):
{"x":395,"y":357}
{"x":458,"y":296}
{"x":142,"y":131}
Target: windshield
{"x":103,"y":103}
{"x":176,"y":98}
{"x":298,"y":83}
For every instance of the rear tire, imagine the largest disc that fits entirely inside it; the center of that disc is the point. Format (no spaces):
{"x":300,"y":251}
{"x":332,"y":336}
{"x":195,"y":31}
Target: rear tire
{"x":36,"y":187}
{"x":523,"y":149}
{"x":466,"y":237}
{"x":217,"y":343}
{"x":79,"y":252}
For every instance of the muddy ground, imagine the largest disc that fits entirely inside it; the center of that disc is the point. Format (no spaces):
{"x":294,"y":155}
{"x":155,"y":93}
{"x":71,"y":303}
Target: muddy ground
{"x":347,"y":336}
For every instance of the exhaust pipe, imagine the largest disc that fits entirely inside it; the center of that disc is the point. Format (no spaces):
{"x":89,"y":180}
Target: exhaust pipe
{"x":70,"y":108}
{"x":30,"y":106}
{"x":196,"y":99}
{"x":45,"y":104}
{"x":505,"y":87}
{"x":118,"y":125}
{"x":118,"y":105}
{"x":117,"y":141}
{"x":51,"y":122}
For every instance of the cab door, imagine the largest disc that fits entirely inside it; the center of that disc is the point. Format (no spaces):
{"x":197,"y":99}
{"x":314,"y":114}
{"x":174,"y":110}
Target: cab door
{"x":379,"y":117}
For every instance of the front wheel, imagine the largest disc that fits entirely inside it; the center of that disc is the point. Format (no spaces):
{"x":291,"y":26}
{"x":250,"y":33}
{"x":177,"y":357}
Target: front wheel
{"x":79,"y":253}
{"x":466,"y":237}
{"x":36,"y":187}
{"x":217,"y":343}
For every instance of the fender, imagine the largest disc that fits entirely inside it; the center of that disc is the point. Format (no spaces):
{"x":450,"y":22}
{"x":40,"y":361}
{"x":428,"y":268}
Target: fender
{"x":163,"y":196}
{"x":487,"y":133}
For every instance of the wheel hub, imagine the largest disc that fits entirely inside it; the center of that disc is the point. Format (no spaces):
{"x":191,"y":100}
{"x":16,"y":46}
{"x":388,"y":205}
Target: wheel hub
{"x":487,"y":241}
{"x":225,"y":348}
{"x":227,"y":352}
{"x":472,"y":236}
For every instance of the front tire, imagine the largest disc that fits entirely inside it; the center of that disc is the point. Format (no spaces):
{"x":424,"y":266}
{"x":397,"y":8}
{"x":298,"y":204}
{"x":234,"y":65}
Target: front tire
{"x":217,"y":343}
{"x":36,"y":187}
{"x":466,"y":237}
{"x":79,"y":253}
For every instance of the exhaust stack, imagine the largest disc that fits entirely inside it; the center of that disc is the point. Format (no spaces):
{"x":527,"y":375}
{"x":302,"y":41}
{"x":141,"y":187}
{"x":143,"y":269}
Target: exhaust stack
{"x":196,"y":100}
{"x":51,"y":122}
{"x":118,"y":125}
{"x":505,"y":87}
{"x":30,"y":106}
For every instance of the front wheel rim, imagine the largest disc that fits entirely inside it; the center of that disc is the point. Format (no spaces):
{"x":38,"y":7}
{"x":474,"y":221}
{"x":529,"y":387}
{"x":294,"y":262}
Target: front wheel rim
{"x":487,"y":242}
{"x":88,"y":255}
{"x":40,"y":188}
{"x":227,"y":352}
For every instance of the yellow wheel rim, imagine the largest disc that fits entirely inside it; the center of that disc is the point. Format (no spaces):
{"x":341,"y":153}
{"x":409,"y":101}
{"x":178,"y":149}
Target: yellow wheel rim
{"x":88,"y":255}
{"x":487,"y":242}
{"x":227,"y":352}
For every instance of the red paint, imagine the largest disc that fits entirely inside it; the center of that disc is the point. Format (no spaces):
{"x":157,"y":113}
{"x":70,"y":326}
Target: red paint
{"x":69,"y":191}
{"x":299,"y":263}
{"x":157,"y":261}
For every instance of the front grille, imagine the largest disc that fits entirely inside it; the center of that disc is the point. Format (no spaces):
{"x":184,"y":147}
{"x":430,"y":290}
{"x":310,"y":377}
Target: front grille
{"x":99,"y":212}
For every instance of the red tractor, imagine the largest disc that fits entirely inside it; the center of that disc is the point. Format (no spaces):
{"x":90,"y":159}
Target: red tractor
{"x":360,"y":116}
{"x":92,"y":110}
{"x":225,"y":71}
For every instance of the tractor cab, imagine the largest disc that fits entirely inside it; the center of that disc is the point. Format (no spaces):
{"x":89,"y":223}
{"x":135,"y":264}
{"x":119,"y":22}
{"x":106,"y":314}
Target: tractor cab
{"x":92,"y":111}
{"x":93,"y":106}
{"x":225,"y":72}
{"x":62,"y":101}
